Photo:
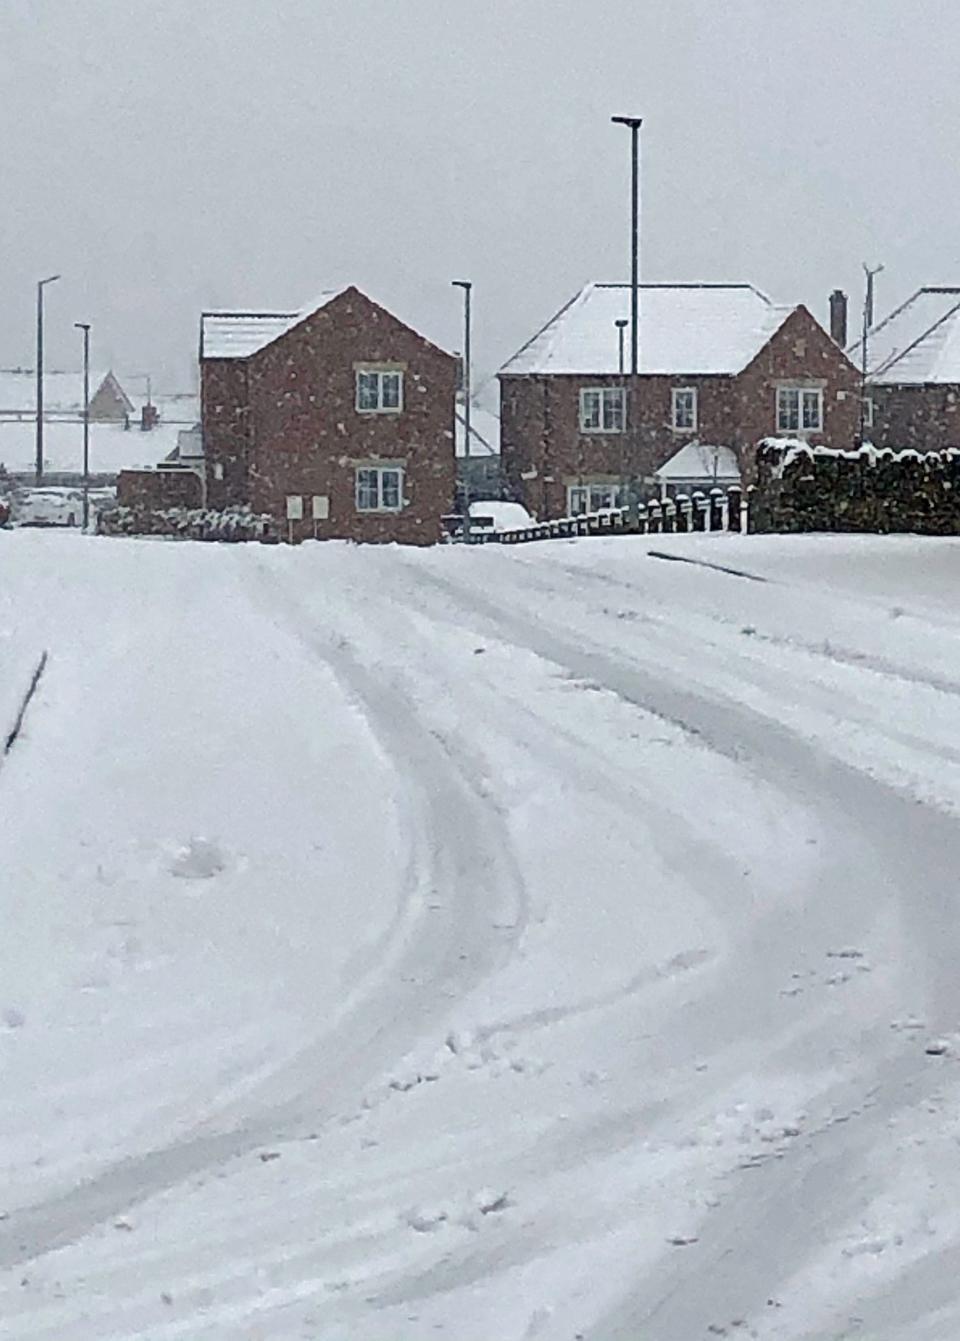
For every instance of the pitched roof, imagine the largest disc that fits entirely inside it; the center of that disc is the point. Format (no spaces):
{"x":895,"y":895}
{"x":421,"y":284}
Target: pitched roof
{"x":700,"y":461}
{"x":62,"y":391}
{"x":484,"y":431}
{"x":919,"y":342}
{"x":684,"y":328}
{"x":237,"y":335}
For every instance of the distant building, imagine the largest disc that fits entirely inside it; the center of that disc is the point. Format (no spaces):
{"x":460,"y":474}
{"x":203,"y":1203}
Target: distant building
{"x":337,"y":421}
{"x":482,"y":467}
{"x":913,"y":373}
{"x":719,"y":364}
{"x":63,"y":396}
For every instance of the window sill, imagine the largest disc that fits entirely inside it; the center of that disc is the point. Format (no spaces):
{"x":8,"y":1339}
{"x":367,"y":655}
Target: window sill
{"x":601,"y":432}
{"x":388,"y":410}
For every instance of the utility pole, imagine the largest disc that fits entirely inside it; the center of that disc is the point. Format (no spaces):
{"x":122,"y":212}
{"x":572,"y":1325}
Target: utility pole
{"x":467,"y":287}
{"x":40,"y":287}
{"x":621,"y":325}
{"x":870,"y":276}
{"x":634,"y":122}
{"x":84,"y":326}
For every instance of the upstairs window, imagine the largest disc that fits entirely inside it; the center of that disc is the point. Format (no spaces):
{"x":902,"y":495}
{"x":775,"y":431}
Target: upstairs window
{"x":684,"y":408}
{"x":379,"y":390}
{"x":379,"y":488}
{"x":799,"y":409}
{"x":602,"y":409}
{"x":868,"y":411}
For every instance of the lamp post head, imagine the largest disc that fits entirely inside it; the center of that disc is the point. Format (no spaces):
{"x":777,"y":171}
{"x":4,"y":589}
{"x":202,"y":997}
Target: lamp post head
{"x":621,"y":322}
{"x":82,"y":325}
{"x":49,"y":280}
{"x":462,"y":283}
{"x":634,"y":122}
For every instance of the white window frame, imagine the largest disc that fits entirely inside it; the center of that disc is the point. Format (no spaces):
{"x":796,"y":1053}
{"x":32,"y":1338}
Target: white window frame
{"x":869,"y":411}
{"x":786,"y":411}
{"x":380,"y":374}
{"x":592,"y":496}
{"x":610,"y":412}
{"x":675,"y":416}
{"x":380,"y":472}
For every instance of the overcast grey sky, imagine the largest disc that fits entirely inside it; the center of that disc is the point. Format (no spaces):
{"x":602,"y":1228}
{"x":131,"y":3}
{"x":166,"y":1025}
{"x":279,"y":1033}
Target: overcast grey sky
{"x":166,"y":155}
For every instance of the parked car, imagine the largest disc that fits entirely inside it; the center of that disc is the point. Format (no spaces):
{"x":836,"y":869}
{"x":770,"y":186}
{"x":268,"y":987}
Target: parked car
{"x":51,"y":507}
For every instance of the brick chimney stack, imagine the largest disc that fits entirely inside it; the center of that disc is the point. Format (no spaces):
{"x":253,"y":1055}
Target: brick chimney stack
{"x":838,"y":317}
{"x":149,"y":417}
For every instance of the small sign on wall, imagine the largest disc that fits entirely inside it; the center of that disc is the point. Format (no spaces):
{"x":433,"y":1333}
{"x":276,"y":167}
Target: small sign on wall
{"x":294,"y":507}
{"x":321,"y":507}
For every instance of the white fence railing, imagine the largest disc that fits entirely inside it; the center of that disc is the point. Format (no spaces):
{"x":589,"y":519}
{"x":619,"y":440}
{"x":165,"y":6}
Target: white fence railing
{"x":719,"y":510}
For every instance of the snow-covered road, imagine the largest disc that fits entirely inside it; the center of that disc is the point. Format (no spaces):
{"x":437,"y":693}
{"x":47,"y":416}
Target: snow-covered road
{"x":517,"y":944}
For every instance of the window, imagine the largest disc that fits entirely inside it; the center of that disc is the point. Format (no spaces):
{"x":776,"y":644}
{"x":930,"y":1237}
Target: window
{"x":868,"y":411}
{"x":799,"y":409}
{"x":379,"y":489}
{"x":583,"y":498}
{"x":684,"y":408}
{"x":379,"y":391}
{"x":602,"y":409}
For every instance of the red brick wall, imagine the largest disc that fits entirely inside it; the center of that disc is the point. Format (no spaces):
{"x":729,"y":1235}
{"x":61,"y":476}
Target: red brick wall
{"x":149,"y":490}
{"x":226,"y":427}
{"x":799,"y":351}
{"x":302,"y":434}
{"x":540,"y":430}
{"x":926,"y":418}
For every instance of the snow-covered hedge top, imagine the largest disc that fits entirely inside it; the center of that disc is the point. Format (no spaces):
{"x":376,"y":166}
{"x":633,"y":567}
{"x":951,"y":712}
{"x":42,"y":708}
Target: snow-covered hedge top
{"x":792,"y":448}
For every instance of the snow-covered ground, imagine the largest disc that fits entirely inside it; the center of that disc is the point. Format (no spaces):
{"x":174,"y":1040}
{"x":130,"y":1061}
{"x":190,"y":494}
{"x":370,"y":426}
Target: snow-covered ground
{"x":500,"y":944}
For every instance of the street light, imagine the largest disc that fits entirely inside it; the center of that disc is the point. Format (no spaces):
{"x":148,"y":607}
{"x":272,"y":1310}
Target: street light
{"x":40,"y":287}
{"x":85,"y":327}
{"x":634,"y":122}
{"x":467,"y":286}
{"x":621,"y":325}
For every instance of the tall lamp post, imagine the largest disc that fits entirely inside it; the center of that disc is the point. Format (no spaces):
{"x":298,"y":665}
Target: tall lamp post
{"x":41,"y":285}
{"x":84,"y":326}
{"x":621,"y":324}
{"x":467,"y":287}
{"x":634,"y":122}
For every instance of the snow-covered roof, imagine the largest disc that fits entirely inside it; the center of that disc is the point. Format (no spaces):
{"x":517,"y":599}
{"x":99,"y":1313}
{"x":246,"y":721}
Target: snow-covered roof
{"x":700,"y":461}
{"x":237,"y":335}
{"x":62,"y":390}
{"x":919,"y":342}
{"x":112,"y":447}
{"x":484,"y":432}
{"x":684,"y":328}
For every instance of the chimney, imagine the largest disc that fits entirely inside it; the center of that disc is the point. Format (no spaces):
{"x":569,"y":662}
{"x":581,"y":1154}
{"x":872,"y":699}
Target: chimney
{"x":149,"y":417}
{"x":838,"y":317}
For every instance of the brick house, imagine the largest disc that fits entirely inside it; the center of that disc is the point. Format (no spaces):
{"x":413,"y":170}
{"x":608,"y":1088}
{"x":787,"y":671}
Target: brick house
{"x":337,"y":421}
{"x":913,"y":366}
{"x":720,"y":365}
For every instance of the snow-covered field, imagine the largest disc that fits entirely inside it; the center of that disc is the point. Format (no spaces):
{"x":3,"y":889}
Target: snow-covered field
{"x":501,"y":945}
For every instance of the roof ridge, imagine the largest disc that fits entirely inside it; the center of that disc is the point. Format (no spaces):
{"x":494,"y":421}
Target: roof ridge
{"x":902,"y":353}
{"x":570,"y":303}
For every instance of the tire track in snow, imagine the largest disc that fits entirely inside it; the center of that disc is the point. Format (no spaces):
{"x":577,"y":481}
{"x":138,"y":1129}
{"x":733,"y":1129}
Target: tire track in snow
{"x":905,"y":852}
{"x":444,"y":943}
